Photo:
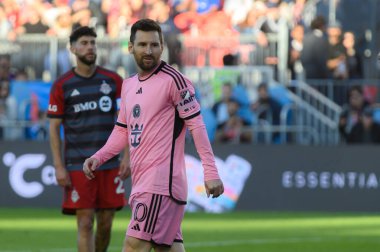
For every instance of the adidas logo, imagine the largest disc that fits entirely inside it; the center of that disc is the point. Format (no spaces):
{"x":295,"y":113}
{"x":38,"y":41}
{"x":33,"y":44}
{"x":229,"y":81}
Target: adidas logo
{"x":136,"y":227}
{"x":139,"y":91}
{"x":75,"y":92}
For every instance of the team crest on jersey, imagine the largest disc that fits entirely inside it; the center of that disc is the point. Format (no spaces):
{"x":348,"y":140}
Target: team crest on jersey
{"x":136,"y":111}
{"x":105,"y":88}
{"x":74,"y":196}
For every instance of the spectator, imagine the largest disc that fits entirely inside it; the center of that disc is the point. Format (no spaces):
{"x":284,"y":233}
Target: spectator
{"x":231,"y":131}
{"x":353,"y":59}
{"x":267,"y":109}
{"x":8,"y":111}
{"x":352,"y":111}
{"x":295,"y":51}
{"x":82,"y":18}
{"x":230,"y":116}
{"x":160,"y":12}
{"x":365,"y":130}
{"x":63,"y":24}
{"x":237,"y":10}
{"x":6,"y":72}
{"x":34,"y":23}
{"x":6,"y":29}
{"x":336,"y":62}
{"x":315,"y":48}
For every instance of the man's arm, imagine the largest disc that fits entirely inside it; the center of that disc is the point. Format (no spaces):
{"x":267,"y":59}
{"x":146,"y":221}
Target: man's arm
{"x":61,"y":174}
{"x":125,"y":168}
{"x":213,"y":183}
{"x":116,"y":142}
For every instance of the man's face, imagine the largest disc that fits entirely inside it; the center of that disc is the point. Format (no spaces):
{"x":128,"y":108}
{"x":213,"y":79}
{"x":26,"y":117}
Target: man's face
{"x":85,"y":50}
{"x":147,"y":49}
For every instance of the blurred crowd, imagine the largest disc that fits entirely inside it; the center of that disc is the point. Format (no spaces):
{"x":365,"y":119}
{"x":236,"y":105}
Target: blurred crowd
{"x":114,"y":17}
{"x":317,"y":50}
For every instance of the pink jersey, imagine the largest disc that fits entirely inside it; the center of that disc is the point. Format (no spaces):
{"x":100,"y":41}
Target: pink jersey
{"x":154,"y":112}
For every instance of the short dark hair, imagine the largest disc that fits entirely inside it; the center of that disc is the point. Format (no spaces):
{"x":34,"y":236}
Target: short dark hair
{"x":80,"y":32}
{"x":262,"y":85}
{"x":146,"y":25}
{"x":318,"y":23}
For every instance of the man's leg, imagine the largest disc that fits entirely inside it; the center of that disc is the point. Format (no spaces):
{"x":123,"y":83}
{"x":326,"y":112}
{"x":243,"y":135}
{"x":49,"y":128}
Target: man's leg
{"x":104,"y":218}
{"x":85,"y":224}
{"x":132,"y":244}
{"x":176,"y":247}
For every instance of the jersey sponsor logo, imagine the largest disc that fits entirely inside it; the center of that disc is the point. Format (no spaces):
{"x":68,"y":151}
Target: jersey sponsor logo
{"x":105,"y":103}
{"x":136,"y":111}
{"x":189,"y":109}
{"x":105,"y":88}
{"x":136,"y":132}
{"x":139,"y":91}
{"x":189,"y":99}
{"x":85,"y":106}
{"x":75,"y":93}
{"x":53,"y":108}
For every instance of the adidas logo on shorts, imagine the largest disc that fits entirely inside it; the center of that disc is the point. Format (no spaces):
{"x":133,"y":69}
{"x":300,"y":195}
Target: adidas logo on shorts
{"x":136,"y":227}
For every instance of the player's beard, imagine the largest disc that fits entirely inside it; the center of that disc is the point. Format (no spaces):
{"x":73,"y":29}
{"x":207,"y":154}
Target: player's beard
{"x":86,"y":60}
{"x":147,"y":67}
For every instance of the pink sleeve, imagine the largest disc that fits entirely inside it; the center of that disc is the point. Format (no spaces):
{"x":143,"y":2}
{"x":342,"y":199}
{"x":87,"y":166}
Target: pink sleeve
{"x":114,"y":145}
{"x":203,"y":146}
{"x":184,"y":100}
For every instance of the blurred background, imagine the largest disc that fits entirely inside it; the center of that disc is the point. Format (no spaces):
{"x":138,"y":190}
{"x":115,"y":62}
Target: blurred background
{"x":289,"y":92}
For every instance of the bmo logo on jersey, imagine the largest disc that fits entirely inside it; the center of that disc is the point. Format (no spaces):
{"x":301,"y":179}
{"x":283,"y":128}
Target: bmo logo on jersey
{"x":104,"y":104}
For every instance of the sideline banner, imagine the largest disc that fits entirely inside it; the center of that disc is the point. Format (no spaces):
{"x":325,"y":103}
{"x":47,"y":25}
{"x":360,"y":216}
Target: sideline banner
{"x":274,"y":178}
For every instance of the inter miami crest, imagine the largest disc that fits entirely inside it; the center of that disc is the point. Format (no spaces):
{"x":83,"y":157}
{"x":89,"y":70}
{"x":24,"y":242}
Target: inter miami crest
{"x":136,"y":111}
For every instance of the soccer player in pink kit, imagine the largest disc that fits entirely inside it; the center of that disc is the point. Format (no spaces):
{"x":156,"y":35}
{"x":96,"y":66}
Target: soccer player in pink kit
{"x":157,"y":105}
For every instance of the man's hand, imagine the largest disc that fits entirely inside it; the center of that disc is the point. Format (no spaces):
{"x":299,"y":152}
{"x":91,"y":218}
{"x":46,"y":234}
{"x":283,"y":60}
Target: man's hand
{"x":62,"y":177}
{"x":89,"y":166}
{"x":125,"y":169}
{"x":214,"y":187}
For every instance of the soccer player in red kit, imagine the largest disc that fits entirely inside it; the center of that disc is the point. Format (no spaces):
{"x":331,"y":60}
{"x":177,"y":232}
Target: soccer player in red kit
{"x":157,"y":106}
{"x":84,"y":100}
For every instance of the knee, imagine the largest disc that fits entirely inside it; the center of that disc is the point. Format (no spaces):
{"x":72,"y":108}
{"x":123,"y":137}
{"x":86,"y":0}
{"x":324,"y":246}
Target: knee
{"x":85,"y":224}
{"x":134,"y":245}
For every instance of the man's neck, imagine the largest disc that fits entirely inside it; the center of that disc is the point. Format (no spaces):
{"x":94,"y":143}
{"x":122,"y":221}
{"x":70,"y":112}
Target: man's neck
{"x":143,"y":74}
{"x":85,"y":70}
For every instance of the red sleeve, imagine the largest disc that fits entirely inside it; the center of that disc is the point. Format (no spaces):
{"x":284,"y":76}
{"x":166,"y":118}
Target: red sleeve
{"x":119,"y":84}
{"x":56,"y":101}
{"x":122,"y":117}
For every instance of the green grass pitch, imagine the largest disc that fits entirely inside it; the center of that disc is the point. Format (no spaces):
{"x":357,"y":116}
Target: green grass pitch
{"x":46,"y":230}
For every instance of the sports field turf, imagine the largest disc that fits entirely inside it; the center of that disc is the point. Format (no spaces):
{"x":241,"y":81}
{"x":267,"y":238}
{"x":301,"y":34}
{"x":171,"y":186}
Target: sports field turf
{"x":26,"y":230}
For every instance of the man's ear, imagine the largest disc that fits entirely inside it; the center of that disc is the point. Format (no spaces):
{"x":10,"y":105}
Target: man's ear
{"x":130,"y":47}
{"x":72,"y":49}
